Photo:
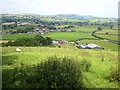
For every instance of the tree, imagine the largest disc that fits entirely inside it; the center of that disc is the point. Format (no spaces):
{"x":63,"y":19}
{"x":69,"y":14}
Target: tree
{"x":49,"y":40}
{"x":99,"y":28}
{"x":111,"y":27}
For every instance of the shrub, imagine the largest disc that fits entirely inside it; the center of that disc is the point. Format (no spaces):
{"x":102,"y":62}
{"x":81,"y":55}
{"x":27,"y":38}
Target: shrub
{"x":59,"y":73}
{"x":53,"y":73}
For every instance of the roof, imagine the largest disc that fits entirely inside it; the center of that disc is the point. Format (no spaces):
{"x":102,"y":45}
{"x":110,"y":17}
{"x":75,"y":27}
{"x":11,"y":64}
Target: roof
{"x":90,"y":46}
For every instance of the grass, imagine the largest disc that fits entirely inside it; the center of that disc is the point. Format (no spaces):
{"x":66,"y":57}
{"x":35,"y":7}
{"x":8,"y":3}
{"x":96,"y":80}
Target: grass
{"x":68,"y":35}
{"x":16,"y":36}
{"x":109,"y":31}
{"x":111,"y":37}
{"x":54,"y":35}
{"x":95,"y":78}
{"x":85,"y":28}
{"x":105,"y":44}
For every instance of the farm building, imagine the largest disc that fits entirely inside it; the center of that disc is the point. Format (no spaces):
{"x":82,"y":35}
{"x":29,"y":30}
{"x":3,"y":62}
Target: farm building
{"x":60,"y":42}
{"x":89,"y":46}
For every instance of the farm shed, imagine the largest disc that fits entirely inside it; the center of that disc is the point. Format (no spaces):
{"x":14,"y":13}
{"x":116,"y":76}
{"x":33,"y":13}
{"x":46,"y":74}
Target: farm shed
{"x":89,"y":46}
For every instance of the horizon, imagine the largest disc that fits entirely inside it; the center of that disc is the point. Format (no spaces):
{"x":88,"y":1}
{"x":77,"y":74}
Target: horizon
{"x":54,"y":15}
{"x":99,"y":8}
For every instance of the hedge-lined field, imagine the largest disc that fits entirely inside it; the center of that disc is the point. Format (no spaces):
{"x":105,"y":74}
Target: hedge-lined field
{"x":68,"y":35}
{"x":111,"y":37}
{"x":54,"y":35}
{"x":100,"y":63}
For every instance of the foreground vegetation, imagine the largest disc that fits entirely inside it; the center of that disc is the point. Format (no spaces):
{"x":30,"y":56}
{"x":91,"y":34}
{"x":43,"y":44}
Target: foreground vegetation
{"x":93,"y":77}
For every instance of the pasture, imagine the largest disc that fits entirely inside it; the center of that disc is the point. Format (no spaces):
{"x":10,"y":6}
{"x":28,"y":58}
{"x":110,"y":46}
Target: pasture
{"x":94,"y":78}
{"x":54,"y":35}
{"x":109,"y":31}
{"x":85,"y":28}
{"x":16,"y":36}
{"x":109,"y":34}
{"x":111,"y":37}
{"x":68,"y":35}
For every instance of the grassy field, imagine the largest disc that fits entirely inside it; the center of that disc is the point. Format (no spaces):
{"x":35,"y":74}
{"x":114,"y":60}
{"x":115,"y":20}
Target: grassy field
{"x":54,"y":35}
{"x":85,"y":28}
{"x":109,"y":31}
{"x":16,"y":36}
{"x":101,"y":61}
{"x":111,"y":37}
{"x":105,"y":44}
{"x":68,"y":35}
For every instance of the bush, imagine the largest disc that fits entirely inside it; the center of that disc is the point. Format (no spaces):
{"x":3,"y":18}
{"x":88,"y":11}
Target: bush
{"x":53,"y":73}
{"x":59,"y":73}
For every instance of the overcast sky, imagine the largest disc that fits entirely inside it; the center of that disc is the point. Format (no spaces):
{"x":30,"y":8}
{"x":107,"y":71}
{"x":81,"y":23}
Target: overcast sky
{"x":100,"y":8}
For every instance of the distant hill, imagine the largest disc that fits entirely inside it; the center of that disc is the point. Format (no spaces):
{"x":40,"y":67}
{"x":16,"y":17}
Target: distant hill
{"x":58,"y":17}
{"x":71,"y":17}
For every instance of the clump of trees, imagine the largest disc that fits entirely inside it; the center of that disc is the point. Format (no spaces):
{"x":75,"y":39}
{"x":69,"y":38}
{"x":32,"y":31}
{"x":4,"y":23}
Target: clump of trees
{"x":99,"y":28}
{"x":52,"y":73}
{"x":36,"y":41}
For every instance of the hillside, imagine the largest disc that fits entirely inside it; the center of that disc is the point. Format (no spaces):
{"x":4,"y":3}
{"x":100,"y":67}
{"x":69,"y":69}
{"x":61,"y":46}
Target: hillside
{"x":102,"y":62}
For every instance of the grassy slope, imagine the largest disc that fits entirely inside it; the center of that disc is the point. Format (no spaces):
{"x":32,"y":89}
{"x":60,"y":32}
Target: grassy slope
{"x":109,"y":31}
{"x":94,"y":78}
{"x":102,"y":33}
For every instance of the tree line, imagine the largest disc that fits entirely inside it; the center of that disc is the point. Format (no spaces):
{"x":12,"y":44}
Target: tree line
{"x":38,"y":40}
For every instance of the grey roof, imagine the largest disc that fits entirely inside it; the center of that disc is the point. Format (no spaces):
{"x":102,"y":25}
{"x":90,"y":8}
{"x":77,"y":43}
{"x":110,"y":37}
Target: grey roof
{"x":91,"y":46}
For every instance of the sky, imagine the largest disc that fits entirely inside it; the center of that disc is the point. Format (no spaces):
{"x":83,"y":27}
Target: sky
{"x":99,"y":8}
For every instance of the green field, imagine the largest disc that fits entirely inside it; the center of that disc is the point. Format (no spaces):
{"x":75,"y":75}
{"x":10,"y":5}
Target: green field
{"x":105,"y":44}
{"x":85,"y":28}
{"x":54,"y":35}
{"x":111,"y":37}
{"x":68,"y":35}
{"x":16,"y":36}
{"x":109,"y":31}
{"x":94,"y":78}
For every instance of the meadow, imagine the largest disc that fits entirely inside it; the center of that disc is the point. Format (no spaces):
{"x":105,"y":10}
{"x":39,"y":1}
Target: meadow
{"x":68,"y":35}
{"x":54,"y":35}
{"x":109,"y":31}
{"x":87,"y":28}
{"x":96,"y":77}
{"x":111,"y":37}
{"x":16,"y":36}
